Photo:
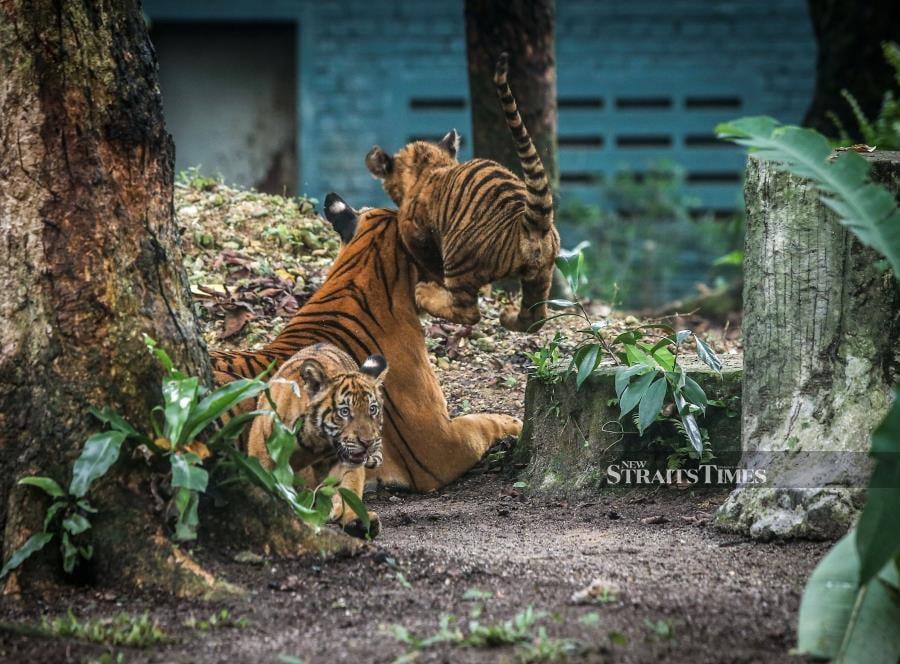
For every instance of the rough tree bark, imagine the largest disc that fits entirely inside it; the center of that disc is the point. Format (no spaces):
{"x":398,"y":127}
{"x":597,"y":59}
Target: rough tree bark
{"x":820,"y":335}
{"x":525,"y":29}
{"x":90,"y":260}
{"x":849,"y":36}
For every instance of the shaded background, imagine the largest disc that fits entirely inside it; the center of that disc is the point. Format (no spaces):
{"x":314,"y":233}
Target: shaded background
{"x":288,"y":97}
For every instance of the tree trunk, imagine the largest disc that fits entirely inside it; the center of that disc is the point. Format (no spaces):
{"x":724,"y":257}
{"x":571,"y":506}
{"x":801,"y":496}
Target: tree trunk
{"x":90,"y":260}
{"x":524,"y":29}
{"x":820,"y":332}
{"x":849,"y":35}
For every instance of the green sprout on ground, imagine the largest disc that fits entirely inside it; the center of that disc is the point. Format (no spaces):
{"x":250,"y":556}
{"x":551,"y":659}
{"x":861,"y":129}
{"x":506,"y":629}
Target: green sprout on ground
{"x":522,"y":631}
{"x":119,"y":630}
{"x":218,"y":620}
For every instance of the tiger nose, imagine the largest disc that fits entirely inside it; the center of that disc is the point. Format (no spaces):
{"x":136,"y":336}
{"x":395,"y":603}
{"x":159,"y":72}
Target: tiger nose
{"x":367,"y":443}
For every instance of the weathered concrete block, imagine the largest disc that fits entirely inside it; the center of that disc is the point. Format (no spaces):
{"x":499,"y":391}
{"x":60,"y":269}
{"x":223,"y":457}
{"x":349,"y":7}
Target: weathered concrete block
{"x":572,"y":436}
{"x":820,"y":336}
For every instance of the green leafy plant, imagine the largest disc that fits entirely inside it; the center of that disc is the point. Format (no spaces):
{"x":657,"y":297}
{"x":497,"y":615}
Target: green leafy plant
{"x":867,"y":209}
{"x":648,"y":374}
{"x":192,"y":178}
{"x":67,"y":517}
{"x":884,"y":130}
{"x":544,"y":362}
{"x":851,"y":603}
{"x":845,"y":621}
{"x":663,"y":629}
{"x":186,"y":432}
{"x":649,"y":241}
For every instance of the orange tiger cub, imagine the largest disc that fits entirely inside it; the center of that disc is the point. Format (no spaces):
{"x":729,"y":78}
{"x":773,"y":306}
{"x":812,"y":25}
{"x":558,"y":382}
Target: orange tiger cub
{"x":473,"y":223}
{"x":341,"y":406}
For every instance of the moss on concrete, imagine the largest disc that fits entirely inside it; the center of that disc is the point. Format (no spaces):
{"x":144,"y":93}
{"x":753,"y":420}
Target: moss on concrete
{"x":571,"y":436}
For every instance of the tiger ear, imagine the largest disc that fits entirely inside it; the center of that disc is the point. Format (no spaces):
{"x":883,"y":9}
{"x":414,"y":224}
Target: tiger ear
{"x":314,"y":377}
{"x":342,"y":217}
{"x":450,"y":143}
{"x":376,"y":367}
{"x":379,"y":162}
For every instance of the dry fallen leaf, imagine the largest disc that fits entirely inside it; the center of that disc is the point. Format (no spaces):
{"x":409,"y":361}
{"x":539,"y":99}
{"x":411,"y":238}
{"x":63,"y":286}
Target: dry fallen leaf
{"x":236,"y":318}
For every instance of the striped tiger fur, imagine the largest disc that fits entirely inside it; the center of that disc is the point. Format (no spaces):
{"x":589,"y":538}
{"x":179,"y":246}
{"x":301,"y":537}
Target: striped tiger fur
{"x":340,"y":404}
{"x":367,"y":306}
{"x":474,"y":223}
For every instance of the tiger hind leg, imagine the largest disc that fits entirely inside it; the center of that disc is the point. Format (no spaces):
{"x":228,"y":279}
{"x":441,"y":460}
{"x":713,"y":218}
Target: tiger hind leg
{"x":458,"y":304}
{"x":530,"y":315}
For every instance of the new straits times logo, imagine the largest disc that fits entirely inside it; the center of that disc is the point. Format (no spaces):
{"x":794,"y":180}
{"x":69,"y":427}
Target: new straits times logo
{"x":637,"y":472}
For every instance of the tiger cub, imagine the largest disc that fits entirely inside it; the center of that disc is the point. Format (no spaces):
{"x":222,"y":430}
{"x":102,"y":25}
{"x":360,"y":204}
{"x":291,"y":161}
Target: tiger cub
{"x":473,"y":223}
{"x":341,"y":406}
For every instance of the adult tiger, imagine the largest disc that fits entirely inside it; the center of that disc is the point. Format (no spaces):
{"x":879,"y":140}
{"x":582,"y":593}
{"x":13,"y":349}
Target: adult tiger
{"x":367,"y":306}
{"x":474,"y":223}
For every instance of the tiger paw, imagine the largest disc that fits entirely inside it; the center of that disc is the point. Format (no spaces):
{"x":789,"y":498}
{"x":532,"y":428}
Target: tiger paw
{"x":510,"y":426}
{"x":434,"y":299}
{"x":513,"y":319}
{"x":354,"y":527}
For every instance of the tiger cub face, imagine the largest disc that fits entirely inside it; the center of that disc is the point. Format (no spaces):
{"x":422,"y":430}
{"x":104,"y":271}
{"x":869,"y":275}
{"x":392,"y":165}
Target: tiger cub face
{"x":345,"y":411}
{"x":400,"y":172}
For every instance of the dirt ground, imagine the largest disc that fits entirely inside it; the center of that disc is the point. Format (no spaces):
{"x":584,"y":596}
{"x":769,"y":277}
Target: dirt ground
{"x":657,"y":559}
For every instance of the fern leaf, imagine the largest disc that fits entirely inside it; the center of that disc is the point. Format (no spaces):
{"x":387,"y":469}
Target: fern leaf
{"x":892,"y":54}
{"x":868,"y":210}
{"x":865,"y":127}
{"x":843,"y":137}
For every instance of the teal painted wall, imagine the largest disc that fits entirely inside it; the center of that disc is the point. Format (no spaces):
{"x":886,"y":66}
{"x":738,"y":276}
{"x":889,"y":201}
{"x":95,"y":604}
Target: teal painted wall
{"x":638,"y":82}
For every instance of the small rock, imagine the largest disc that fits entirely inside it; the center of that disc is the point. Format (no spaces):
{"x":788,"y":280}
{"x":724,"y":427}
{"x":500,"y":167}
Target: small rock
{"x":659,"y":518}
{"x":612,"y":514}
{"x":249,"y":558}
{"x":598,"y":588}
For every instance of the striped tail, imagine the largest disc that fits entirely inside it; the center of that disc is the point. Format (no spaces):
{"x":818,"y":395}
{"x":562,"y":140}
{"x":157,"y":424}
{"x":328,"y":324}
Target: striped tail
{"x":539,"y":203}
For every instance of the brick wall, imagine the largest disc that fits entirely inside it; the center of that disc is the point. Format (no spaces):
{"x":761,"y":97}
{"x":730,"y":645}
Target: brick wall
{"x":363,"y":52}
{"x":360,"y":60}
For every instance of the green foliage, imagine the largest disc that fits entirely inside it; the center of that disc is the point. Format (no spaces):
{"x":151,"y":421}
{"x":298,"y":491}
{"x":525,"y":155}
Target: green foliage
{"x":545,"y":361}
{"x":884,"y":130}
{"x":32,"y":545}
{"x":732,"y":258}
{"x":66,"y":516}
{"x":476,"y":595}
{"x":218,"y":620}
{"x":188,"y":413}
{"x":543,"y":648}
{"x":120,"y":630}
{"x":663,"y":629}
{"x":844,"y":621}
{"x":521,"y":630}
{"x":878,"y":531}
{"x":647,"y":243}
{"x":649,"y":374}
{"x":867,"y":209}
{"x":192,"y":178}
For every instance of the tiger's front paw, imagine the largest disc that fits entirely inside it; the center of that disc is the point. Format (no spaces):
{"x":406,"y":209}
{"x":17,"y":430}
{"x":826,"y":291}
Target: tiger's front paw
{"x":353,"y":526}
{"x":511,"y":426}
